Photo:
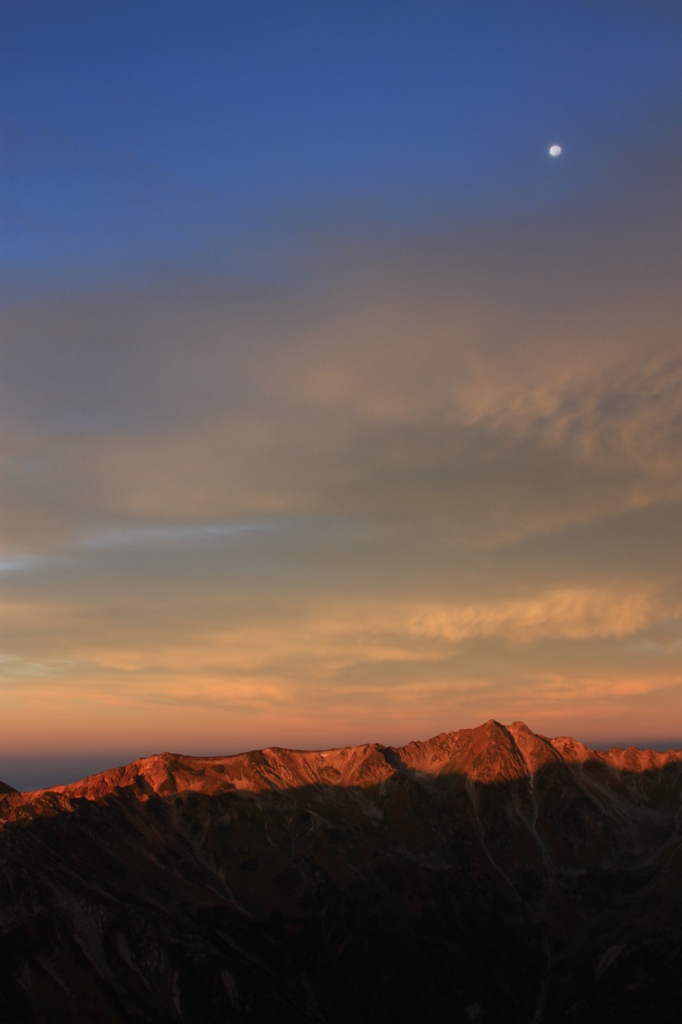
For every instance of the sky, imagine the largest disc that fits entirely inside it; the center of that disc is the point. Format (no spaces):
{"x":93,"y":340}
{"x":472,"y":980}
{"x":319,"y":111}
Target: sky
{"x":333,"y":407}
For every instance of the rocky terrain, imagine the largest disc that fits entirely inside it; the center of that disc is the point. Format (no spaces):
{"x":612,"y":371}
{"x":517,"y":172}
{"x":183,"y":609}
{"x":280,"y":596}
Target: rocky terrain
{"x":485,"y":875}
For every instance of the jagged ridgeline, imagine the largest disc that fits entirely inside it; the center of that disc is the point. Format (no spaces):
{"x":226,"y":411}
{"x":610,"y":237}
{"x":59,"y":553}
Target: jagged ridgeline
{"x":488,"y":874}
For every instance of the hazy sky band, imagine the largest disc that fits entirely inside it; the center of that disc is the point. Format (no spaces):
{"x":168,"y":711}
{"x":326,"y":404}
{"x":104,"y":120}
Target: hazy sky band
{"x":333,"y":407}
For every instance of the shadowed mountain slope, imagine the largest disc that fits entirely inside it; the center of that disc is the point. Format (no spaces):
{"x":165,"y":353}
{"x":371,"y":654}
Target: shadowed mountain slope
{"x":489,"y":874}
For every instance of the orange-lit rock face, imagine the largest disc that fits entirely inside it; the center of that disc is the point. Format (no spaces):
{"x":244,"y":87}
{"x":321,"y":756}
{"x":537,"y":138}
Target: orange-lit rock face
{"x":490,"y":867}
{"x":491,"y":753}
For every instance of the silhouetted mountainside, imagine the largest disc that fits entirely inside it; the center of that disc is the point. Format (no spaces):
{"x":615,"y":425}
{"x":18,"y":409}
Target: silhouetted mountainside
{"x":485,"y":875}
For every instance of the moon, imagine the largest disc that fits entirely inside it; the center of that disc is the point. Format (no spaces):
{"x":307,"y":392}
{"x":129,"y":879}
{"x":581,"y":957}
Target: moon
{"x":555,"y":150}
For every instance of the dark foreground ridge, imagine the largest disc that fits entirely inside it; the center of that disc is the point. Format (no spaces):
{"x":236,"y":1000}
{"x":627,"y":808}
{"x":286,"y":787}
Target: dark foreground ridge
{"x":485,"y":875}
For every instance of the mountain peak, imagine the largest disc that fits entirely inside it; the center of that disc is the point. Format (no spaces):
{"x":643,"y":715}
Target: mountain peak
{"x":490,"y":753}
{"x":274,"y":880}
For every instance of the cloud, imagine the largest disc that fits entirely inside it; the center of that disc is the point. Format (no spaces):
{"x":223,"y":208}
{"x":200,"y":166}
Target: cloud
{"x":575,"y":613}
{"x":20,"y":563}
{"x":491,"y":381}
{"x":149,"y":535}
{"x":444,"y":468}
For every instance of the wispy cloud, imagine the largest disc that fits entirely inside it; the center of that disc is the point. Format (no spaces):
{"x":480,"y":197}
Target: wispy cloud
{"x":575,"y":613}
{"x":145,"y":537}
{"x":20,"y":563}
{"x":151,"y":534}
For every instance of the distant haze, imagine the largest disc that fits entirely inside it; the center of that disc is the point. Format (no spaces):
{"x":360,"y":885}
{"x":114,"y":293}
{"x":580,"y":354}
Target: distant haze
{"x":333,"y":408}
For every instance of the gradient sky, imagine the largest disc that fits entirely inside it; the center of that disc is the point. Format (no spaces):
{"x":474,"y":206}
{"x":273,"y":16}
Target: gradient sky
{"x":333,"y":407}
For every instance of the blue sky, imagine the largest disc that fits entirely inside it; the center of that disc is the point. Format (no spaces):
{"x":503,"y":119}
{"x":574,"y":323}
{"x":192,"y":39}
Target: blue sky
{"x":138,"y":134}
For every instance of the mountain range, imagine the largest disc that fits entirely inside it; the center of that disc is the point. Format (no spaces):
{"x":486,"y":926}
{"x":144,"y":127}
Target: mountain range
{"x":489,"y":875}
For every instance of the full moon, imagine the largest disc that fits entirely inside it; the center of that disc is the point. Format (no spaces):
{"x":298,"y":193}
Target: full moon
{"x":555,"y":150}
